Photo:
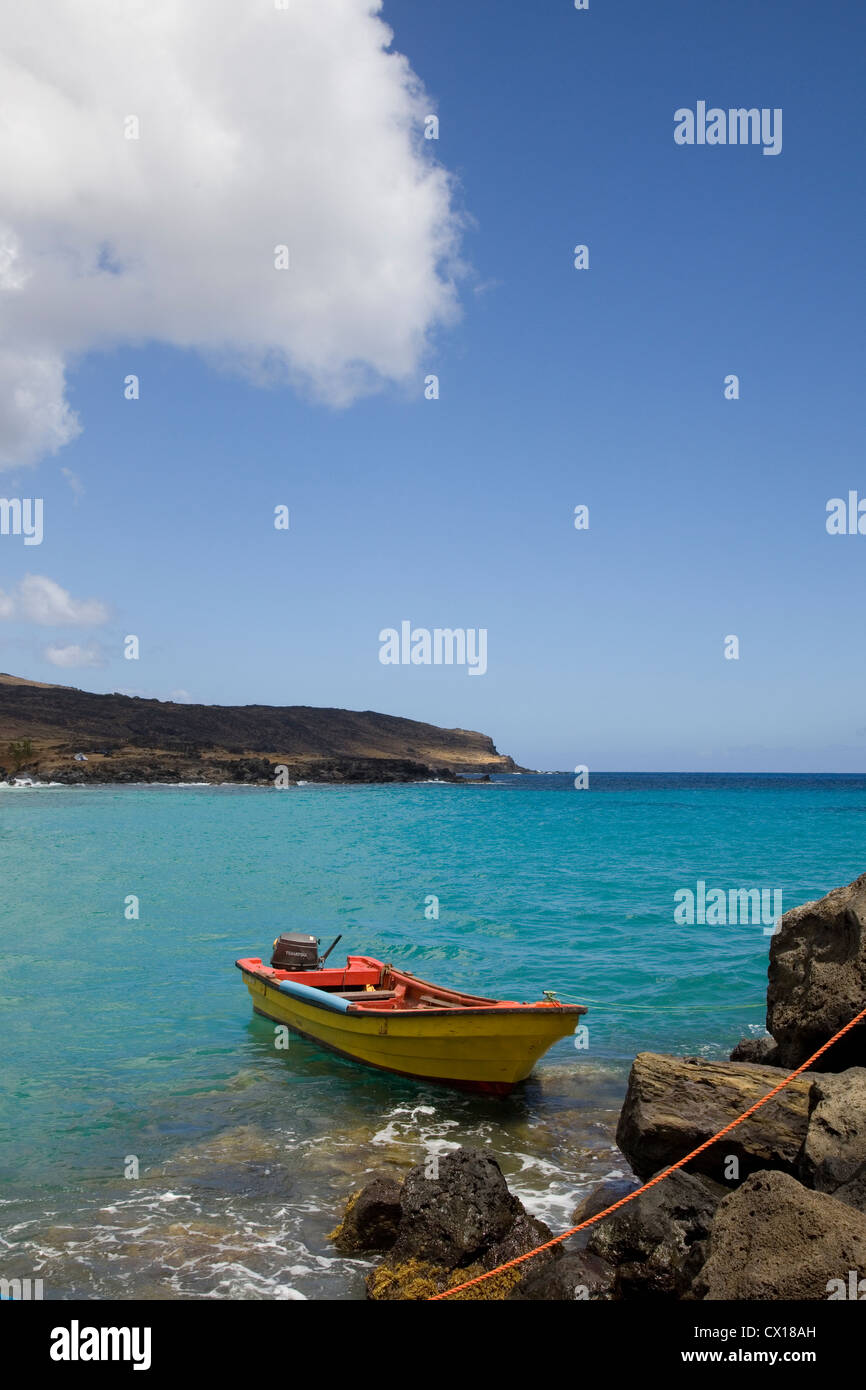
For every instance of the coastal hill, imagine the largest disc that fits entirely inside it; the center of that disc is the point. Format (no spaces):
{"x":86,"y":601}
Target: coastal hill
{"x":125,"y":738}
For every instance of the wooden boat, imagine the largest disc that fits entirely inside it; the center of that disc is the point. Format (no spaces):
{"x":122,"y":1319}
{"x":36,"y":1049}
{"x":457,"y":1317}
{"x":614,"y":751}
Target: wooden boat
{"x":387,"y":1018}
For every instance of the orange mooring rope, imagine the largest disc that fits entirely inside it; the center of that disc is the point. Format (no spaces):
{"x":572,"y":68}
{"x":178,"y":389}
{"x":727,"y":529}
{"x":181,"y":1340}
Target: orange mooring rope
{"x":509,"y":1264}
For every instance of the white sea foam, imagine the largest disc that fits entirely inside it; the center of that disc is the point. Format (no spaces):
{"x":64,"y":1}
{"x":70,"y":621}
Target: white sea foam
{"x":403,"y":1126}
{"x":27,"y":784}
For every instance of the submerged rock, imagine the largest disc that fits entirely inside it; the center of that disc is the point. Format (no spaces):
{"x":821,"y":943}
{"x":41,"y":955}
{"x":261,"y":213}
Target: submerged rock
{"x":656,"y":1241}
{"x":817,"y":979}
{"x":833,"y":1158}
{"x":673,"y":1104}
{"x":773,"y":1239}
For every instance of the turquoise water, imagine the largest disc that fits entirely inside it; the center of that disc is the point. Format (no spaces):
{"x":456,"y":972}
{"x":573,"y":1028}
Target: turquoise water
{"x":135,"y":1040}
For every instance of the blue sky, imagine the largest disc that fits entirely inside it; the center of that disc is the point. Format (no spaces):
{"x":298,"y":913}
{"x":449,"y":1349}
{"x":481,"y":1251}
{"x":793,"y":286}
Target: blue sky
{"x":558,"y":387}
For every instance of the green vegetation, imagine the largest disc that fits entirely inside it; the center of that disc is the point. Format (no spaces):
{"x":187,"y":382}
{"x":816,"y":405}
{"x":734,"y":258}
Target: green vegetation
{"x":20,"y":751}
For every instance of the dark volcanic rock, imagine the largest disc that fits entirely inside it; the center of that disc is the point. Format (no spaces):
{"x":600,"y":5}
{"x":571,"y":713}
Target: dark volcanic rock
{"x":449,"y":1220}
{"x":246,"y":770}
{"x":673,"y":1104}
{"x":656,"y":1241}
{"x":834,"y":1150}
{"x":456,"y":1226}
{"x":371,"y":1219}
{"x":525,"y":1233}
{"x":762,"y":1051}
{"x":773,"y":1239}
{"x":817,"y":979}
{"x":375,"y":770}
{"x":576,"y":1276}
{"x":599,"y":1199}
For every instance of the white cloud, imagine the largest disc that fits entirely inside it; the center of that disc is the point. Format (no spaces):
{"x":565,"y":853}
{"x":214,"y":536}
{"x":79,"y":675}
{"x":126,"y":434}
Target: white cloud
{"x":38,"y":599}
{"x":73,"y":656}
{"x":34,"y":416}
{"x":258,"y":127}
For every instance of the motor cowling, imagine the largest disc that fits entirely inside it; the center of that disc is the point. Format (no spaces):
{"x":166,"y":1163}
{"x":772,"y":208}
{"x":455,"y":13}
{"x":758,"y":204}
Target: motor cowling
{"x":295,"y":951}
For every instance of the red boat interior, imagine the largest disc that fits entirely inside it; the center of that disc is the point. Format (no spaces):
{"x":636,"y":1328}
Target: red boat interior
{"x":372,"y":985}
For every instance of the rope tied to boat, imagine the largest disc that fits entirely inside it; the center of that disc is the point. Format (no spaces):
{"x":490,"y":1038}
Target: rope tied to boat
{"x":660,"y":1177}
{"x":656,"y":1007}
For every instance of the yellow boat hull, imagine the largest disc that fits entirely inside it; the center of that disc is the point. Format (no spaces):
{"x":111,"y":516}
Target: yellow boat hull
{"x":486,"y":1049}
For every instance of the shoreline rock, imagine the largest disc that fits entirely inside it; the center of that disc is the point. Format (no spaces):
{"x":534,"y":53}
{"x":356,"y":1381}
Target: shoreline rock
{"x":371,"y":1219}
{"x":674,"y":1104}
{"x":249,"y":771}
{"x":763,"y":1051}
{"x":774,"y":1239}
{"x":655,"y":1243}
{"x":833,"y":1158}
{"x":817,"y":979}
{"x":452,"y":1218}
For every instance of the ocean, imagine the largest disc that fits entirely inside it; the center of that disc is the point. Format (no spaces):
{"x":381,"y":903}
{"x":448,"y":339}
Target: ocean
{"x":152,"y":1142}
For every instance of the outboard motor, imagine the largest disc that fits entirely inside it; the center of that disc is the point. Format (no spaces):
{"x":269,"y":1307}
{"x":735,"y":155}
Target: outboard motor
{"x":295,"y":951}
